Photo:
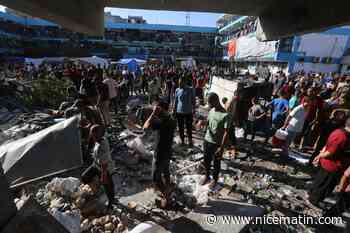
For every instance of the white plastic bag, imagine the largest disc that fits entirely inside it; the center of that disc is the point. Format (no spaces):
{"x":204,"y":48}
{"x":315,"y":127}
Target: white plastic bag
{"x":70,"y":221}
{"x":281,"y":134}
{"x":239,"y":132}
{"x":190,"y":184}
{"x":201,"y":194}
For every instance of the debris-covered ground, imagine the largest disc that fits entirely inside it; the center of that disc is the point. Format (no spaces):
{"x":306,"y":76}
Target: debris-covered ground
{"x":255,"y":175}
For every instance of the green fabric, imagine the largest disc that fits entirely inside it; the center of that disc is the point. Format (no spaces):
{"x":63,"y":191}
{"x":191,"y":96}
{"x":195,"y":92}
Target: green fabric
{"x":217,"y":123}
{"x":293,"y":102}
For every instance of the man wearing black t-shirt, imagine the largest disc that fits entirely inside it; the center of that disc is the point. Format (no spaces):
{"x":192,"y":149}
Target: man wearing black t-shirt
{"x":161,"y":121}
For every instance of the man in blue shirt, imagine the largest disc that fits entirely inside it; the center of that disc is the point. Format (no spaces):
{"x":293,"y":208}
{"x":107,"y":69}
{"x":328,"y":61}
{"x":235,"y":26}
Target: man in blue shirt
{"x":185,"y":102}
{"x":280,"y":107}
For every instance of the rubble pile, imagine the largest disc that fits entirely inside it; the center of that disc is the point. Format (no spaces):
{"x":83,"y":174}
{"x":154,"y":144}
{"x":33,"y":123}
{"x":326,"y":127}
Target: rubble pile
{"x":276,"y":183}
{"x":78,"y":208}
{"x":14,"y":88}
{"x":254,"y":176}
{"x":25,"y":124}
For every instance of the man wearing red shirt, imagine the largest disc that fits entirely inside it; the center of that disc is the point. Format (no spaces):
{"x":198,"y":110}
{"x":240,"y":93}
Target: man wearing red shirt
{"x":288,"y":89}
{"x":199,"y":85}
{"x":333,"y":160}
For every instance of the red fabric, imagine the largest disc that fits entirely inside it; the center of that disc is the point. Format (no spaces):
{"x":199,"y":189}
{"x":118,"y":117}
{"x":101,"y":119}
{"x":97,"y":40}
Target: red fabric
{"x":314,"y":104}
{"x":200,"y":83}
{"x":288,"y":90}
{"x":336,"y":144}
{"x":276,"y":142}
{"x":232,"y":48}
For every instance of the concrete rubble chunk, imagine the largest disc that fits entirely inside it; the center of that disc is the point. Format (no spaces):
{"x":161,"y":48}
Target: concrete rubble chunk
{"x":148,"y":227}
{"x":70,"y":220}
{"x":32,"y":218}
{"x":64,"y":186}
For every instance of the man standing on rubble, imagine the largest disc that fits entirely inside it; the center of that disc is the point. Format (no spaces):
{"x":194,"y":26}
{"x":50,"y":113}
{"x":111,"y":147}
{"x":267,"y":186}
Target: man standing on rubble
{"x":185,"y":102}
{"x":215,"y":138}
{"x":112,"y":91}
{"x":103,"y":100}
{"x":161,"y":121}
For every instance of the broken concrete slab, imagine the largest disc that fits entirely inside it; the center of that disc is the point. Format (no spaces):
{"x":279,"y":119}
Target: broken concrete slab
{"x":32,"y":218}
{"x":145,"y":198}
{"x":201,"y":220}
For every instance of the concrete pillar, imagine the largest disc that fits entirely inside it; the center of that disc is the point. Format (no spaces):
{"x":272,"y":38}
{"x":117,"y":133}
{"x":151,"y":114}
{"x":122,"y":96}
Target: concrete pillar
{"x":81,"y":16}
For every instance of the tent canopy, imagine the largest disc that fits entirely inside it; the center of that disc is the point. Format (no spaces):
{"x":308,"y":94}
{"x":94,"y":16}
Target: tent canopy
{"x":132,"y":63}
{"x":38,"y":61}
{"x":94,"y":60}
{"x":127,"y":61}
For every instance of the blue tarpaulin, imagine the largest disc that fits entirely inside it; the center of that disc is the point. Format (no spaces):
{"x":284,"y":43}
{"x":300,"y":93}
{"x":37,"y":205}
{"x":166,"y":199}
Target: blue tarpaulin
{"x":132,"y":63}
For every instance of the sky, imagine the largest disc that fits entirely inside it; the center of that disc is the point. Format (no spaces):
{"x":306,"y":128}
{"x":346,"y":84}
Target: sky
{"x":169,"y":17}
{"x":166,"y":17}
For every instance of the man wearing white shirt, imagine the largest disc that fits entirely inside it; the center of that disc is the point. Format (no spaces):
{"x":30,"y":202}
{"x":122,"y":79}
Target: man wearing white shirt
{"x":295,"y":121}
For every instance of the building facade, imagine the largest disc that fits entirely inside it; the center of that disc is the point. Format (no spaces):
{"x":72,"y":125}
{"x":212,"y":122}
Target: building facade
{"x":123,"y":38}
{"x":315,"y":52}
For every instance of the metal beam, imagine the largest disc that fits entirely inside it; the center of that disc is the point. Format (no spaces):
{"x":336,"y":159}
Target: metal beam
{"x":300,"y":17}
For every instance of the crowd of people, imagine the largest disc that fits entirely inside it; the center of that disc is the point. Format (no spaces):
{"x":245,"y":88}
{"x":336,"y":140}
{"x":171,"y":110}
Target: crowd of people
{"x":310,"y":111}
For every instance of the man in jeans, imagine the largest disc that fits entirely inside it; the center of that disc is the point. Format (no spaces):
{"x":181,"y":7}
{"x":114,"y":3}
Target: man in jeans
{"x":215,"y":138}
{"x":185,"y":102}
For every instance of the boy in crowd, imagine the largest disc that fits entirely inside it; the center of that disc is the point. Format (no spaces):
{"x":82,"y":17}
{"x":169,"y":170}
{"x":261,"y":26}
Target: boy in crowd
{"x":103,"y":165}
{"x":255,"y":121}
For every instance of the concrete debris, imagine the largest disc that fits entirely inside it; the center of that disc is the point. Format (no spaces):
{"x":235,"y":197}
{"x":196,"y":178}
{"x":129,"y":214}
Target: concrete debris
{"x":23,"y":125}
{"x":107,"y":223}
{"x":190,"y":185}
{"x":33,"y":218}
{"x":64,"y":186}
{"x":69,"y":219}
{"x":148,"y":227}
{"x":253,"y":176}
{"x":78,"y":208}
{"x":137,"y":145}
